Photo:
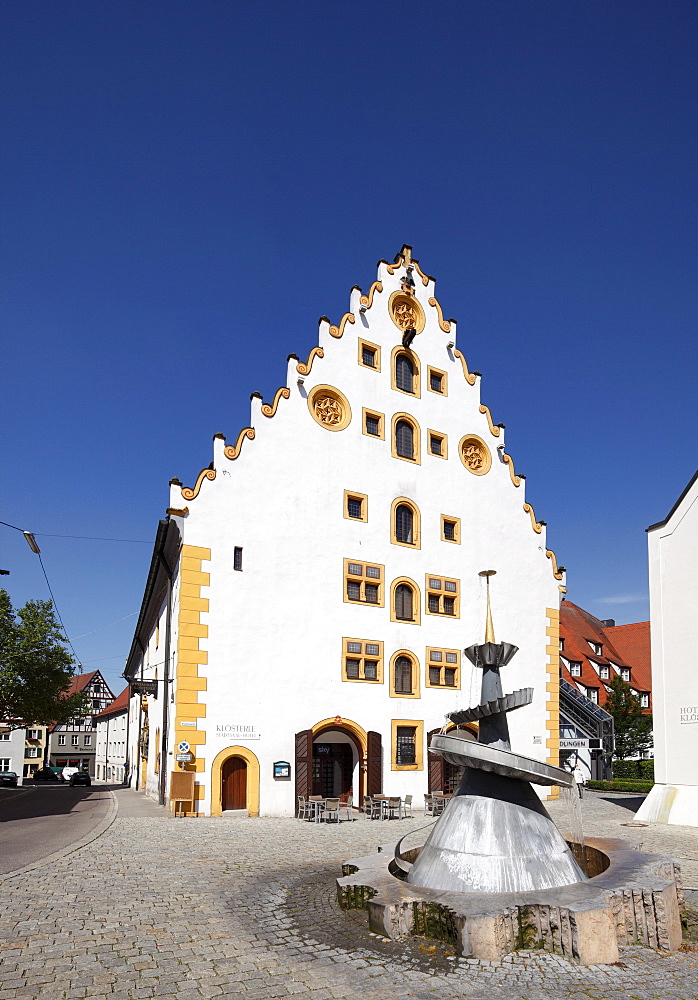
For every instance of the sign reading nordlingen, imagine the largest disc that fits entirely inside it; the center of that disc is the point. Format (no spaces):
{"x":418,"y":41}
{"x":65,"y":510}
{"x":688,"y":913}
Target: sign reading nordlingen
{"x":234,"y":731}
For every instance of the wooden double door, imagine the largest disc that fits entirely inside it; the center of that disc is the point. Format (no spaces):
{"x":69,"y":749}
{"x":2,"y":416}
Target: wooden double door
{"x":234,"y":782}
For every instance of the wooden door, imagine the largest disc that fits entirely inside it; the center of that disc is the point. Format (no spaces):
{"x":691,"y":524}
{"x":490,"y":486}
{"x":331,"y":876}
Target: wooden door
{"x":436,"y":767}
{"x":304,"y":763}
{"x":234,"y":778}
{"x":374,"y":765}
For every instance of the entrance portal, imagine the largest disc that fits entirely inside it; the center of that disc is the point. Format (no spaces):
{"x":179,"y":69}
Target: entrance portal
{"x":333,"y":767}
{"x":234,"y":784}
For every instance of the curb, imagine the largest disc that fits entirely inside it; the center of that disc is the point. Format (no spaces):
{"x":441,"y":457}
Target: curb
{"x":101,"y":828}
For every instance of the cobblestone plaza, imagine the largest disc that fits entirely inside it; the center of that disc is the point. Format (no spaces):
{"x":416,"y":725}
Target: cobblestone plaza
{"x":247,"y":908}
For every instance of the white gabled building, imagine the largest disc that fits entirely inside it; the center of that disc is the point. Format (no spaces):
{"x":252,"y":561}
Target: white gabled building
{"x":112,"y":739}
{"x":310,"y":596}
{"x":673,"y":570}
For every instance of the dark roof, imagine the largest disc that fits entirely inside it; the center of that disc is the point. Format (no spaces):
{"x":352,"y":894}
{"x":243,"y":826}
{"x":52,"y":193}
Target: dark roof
{"x":676,"y":506}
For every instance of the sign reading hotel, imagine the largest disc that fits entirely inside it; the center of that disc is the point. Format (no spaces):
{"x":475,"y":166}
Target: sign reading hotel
{"x":231,"y":731}
{"x":689,"y":715}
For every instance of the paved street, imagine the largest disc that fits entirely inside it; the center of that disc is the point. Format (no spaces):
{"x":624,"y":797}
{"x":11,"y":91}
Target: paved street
{"x":38,"y":819}
{"x":246,"y":908}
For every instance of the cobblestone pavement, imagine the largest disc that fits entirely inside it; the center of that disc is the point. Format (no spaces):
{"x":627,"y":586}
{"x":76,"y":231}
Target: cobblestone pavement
{"x":243,"y":908}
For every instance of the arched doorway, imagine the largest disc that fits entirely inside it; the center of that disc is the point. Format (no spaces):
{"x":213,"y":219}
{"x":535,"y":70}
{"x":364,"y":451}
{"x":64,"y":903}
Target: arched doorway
{"x":234,"y":784}
{"x":335,"y":770}
{"x":338,"y":758}
{"x":220,"y":775}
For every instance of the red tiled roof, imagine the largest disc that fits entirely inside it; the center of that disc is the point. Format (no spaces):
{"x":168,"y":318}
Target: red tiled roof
{"x":622,"y":645}
{"x":633,"y":641}
{"x":80,"y":682}
{"x":120,"y":704}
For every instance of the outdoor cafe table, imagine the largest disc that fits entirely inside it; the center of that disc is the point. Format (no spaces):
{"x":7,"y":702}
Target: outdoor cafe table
{"x":318,"y":804}
{"x":384,"y":800}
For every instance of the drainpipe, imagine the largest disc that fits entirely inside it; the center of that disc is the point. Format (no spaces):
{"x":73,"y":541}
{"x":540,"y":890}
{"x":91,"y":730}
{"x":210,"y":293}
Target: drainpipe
{"x":165,"y":684}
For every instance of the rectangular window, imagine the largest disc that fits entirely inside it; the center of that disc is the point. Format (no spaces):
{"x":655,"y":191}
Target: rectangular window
{"x":644,"y":701}
{"x":87,"y":741}
{"x":438,"y":444}
{"x":74,"y":740}
{"x":443,"y":667}
{"x":437,"y":381}
{"x":562,"y":644}
{"x":32,"y":752}
{"x":34,"y":734}
{"x":406,"y":745}
{"x":593,"y":695}
{"x":4,"y":763}
{"x":369,"y":355}
{"x":625,"y":674}
{"x":363,"y":660}
{"x":61,"y":740}
{"x":604,"y":673}
{"x":237,"y":558}
{"x":4,"y":737}
{"x":355,"y":506}
{"x":450,"y":529}
{"x":373,"y":424}
{"x":443,"y":596}
{"x":363,"y":583}
{"x":576,"y":669}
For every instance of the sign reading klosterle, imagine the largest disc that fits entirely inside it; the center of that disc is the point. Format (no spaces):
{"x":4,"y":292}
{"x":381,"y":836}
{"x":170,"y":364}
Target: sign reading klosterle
{"x":235,"y":731}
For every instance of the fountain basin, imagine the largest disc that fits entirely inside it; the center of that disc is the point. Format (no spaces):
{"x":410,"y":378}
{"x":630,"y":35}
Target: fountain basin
{"x":466,"y":753}
{"x":631,"y":898}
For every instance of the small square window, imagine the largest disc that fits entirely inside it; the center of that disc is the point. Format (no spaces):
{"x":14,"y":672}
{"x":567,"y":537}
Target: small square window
{"x":372,"y":649}
{"x":434,"y":583}
{"x":437,"y":381}
{"x":451,"y":586}
{"x":356,"y":569}
{"x":438,"y":444}
{"x":450,"y":529}
{"x":373,"y":572}
{"x":451,"y":657}
{"x":354,"y":507}
{"x":369,"y":355}
{"x":436,"y":655}
{"x":373,"y":424}
{"x":576,"y":669}
{"x":353,"y":647}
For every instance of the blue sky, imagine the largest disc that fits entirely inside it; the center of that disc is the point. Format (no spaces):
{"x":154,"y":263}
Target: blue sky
{"x":188,"y":186}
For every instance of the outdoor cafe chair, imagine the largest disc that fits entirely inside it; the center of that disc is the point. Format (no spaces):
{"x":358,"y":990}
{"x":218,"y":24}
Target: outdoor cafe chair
{"x":394,"y":807}
{"x":348,"y":807}
{"x":428,"y":805}
{"x":331,"y":810}
{"x":372,"y":807}
{"x":407,"y":807}
{"x":304,"y":810}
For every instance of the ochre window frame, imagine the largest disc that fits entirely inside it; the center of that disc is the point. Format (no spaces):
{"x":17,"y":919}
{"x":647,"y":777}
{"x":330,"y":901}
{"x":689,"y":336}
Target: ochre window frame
{"x":416,"y":438}
{"x":372,"y":347}
{"x":416,"y":523}
{"x":363,"y":580}
{"x":353,"y":495}
{"x":416,"y":376}
{"x":361,"y":657}
{"x":416,"y":674}
{"x":443,"y":666}
{"x":443,"y":438}
{"x":380,"y":417}
{"x":444,"y":381}
{"x":455,"y":594}
{"x":418,"y":726}
{"x":416,"y":603}
{"x":454,"y":520}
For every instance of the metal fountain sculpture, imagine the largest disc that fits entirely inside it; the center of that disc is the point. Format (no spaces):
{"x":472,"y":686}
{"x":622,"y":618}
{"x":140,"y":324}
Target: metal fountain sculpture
{"x":494,"y":874}
{"x":495,"y":835}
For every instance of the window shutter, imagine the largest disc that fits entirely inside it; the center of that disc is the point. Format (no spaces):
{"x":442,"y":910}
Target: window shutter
{"x":304,"y":763}
{"x":437,"y":776}
{"x":374,"y":762}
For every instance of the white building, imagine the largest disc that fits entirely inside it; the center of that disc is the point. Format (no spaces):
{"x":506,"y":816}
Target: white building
{"x":12,"y":743}
{"x":310,"y":596}
{"x":673,"y":570}
{"x":111,"y":739}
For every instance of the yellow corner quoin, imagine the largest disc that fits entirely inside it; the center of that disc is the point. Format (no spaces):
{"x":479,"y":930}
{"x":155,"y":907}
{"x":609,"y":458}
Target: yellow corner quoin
{"x":552,"y":706}
{"x":190,"y":658}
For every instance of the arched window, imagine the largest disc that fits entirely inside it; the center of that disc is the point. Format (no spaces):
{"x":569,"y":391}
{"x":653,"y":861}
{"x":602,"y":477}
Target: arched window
{"x":404,"y":439}
{"x":404,"y":373}
{"x":403,"y":674}
{"x":404,"y":524}
{"x":404,"y":602}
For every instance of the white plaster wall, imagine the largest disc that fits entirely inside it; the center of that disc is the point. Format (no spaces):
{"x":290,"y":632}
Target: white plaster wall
{"x":673,"y":571}
{"x":14,"y":750}
{"x":276,"y":628}
{"x":111,"y":744}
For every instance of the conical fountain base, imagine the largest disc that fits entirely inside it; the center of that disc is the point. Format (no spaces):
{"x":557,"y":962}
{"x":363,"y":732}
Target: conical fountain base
{"x":494,"y":836}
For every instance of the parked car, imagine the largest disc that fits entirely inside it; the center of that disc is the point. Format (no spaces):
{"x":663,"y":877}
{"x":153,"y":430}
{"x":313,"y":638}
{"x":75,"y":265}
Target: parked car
{"x":47,"y":774}
{"x":8,"y":778}
{"x":80,"y":778}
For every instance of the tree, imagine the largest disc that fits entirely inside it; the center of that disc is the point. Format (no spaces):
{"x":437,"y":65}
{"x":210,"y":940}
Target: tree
{"x":633,"y":728}
{"x":35,"y":667}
